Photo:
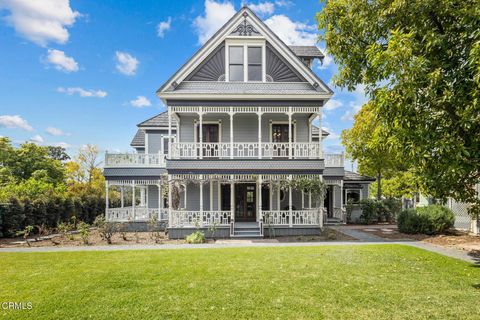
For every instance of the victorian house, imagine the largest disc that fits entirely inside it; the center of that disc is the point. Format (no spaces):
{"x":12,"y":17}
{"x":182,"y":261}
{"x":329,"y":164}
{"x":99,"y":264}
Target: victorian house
{"x":240,"y":118}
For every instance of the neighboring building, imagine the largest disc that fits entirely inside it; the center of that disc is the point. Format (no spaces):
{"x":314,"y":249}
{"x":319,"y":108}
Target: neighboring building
{"x":239,"y":119}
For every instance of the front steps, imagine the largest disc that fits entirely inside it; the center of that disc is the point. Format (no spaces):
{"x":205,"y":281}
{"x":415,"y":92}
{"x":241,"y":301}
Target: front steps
{"x":246,"y":230}
{"x":333,"y":222}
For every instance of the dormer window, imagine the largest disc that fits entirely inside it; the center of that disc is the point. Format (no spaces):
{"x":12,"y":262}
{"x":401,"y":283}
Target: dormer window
{"x":246,"y":61}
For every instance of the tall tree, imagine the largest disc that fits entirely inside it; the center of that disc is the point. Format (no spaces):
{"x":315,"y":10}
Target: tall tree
{"x":365,"y":143}
{"x":420,"y":62}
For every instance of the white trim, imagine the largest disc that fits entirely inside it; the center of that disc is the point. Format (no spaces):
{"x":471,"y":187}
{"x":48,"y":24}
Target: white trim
{"x":245,"y":43}
{"x":146,"y":142}
{"x":224,"y":32}
{"x":345,"y":191}
{"x":244,"y":96}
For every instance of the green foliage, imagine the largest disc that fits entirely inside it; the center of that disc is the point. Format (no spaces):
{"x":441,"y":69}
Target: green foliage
{"x":434,"y":219}
{"x":84,"y":231}
{"x":25,"y":233}
{"x":391,"y":208}
{"x":370,"y":211}
{"x":196,"y":237}
{"x":419,"y":61}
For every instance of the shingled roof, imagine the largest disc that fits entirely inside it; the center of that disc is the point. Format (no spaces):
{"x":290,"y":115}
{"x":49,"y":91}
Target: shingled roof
{"x":307,"y":51}
{"x":353,"y":176}
{"x":139,"y":139}
{"x":160,"y":120}
{"x":315,"y":131}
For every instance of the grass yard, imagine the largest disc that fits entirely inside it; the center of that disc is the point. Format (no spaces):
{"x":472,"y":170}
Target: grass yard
{"x":356,"y":282}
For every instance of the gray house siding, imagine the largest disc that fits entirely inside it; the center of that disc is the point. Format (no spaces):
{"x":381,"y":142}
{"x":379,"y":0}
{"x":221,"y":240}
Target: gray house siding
{"x":245,"y":126}
{"x":154,"y":140}
{"x":152,"y":197}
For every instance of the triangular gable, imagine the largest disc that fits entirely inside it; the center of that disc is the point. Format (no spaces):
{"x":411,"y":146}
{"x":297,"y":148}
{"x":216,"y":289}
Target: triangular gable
{"x":244,"y":23}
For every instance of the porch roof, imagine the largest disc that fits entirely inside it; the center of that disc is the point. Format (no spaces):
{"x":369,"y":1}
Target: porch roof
{"x":139,"y":139}
{"x":254,"y":88}
{"x":353,"y":176}
{"x":133,"y":173}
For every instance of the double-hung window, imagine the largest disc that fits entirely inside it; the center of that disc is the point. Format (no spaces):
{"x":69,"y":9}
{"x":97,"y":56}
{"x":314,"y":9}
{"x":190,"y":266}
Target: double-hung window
{"x":245,"y":62}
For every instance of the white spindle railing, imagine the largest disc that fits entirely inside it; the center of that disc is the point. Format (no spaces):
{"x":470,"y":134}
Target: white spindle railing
{"x":184,"y":218}
{"x":334,"y":160}
{"x":339,"y":213}
{"x":138,"y":214}
{"x":299,"y":217}
{"x":134,"y":160}
{"x":245,"y":150}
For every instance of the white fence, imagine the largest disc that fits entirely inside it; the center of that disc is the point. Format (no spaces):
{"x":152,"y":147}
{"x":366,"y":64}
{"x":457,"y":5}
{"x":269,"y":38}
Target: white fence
{"x":298,"y":217}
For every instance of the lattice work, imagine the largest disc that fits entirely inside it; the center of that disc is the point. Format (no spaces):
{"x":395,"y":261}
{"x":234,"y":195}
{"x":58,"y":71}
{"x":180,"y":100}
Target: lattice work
{"x":460,"y":210}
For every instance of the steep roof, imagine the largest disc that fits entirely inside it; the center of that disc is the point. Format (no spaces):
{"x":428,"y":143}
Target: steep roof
{"x":243,"y":20}
{"x":139,"y":139}
{"x":353,"y":176}
{"x":160,"y":120}
{"x":307,"y":51}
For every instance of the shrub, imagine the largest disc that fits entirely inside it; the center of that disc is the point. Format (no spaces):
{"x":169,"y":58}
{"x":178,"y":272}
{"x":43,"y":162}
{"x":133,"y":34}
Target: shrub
{"x":370,"y":211}
{"x":392,"y":208}
{"x":434,"y":219}
{"x":196,"y":237}
{"x":84,"y":230}
{"x":106,"y":229}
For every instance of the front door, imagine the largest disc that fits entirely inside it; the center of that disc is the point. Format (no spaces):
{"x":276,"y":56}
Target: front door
{"x":210,"y":138}
{"x":280,"y":135}
{"x":245,"y":202}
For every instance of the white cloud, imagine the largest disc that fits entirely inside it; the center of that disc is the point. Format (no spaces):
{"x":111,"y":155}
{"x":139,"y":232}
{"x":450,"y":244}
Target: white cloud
{"x":332,"y":134}
{"x":14,"y":122}
{"x":215,"y":16}
{"x":61,"y":144}
{"x":291,"y":32}
{"x":61,"y":61}
{"x":263,"y":8}
{"x":56,"y":132}
{"x":37,"y":139}
{"x":332,"y":104}
{"x":40,"y":21}
{"x":163,"y":27}
{"x":83,"y":92}
{"x":326,"y":62}
{"x":140,"y":102}
{"x":284,"y":3}
{"x":126,"y":63}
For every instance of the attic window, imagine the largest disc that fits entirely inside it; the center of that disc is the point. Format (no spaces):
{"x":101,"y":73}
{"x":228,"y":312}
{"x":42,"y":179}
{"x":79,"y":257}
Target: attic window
{"x":245,"y":62}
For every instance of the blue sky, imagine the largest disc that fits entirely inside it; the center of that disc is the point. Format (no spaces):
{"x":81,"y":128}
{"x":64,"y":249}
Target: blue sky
{"x":78,"y":72}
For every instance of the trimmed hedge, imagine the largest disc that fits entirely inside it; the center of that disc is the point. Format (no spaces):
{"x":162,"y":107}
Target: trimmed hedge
{"x":434,"y":219}
{"x":18,"y":214}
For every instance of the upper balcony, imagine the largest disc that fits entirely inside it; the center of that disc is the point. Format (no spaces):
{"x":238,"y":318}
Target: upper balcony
{"x":187,"y":150}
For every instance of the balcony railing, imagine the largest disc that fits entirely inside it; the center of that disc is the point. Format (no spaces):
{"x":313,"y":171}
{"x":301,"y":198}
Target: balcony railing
{"x":130,"y":214}
{"x":245,"y":150}
{"x":134,"y":160}
{"x":334,"y":160}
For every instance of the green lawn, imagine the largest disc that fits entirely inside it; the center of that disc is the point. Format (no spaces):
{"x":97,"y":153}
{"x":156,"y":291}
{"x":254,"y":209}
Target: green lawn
{"x":357,"y":282}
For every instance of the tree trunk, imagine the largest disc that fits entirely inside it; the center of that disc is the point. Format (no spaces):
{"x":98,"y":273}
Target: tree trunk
{"x":379,"y":185}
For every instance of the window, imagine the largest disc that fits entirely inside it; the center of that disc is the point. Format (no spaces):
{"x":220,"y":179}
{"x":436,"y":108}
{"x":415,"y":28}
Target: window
{"x":235,"y":57}
{"x":352,"y":196}
{"x":254,"y":63}
{"x":245,"y":63}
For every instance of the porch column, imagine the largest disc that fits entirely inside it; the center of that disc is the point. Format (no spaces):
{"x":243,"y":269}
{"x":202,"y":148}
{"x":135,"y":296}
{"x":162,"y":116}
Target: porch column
{"x":290,"y":213}
{"x":106,"y":199}
{"x":290,"y":150}
{"x":303,"y":200}
{"x":232,"y":201}
{"x":142,"y":196}
{"x":200,"y":131}
{"x":201,"y":197}
{"x":169,"y":133}
{"x":133,"y":199}
{"x":170,"y":186}
{"x":210,"y":194}
{"x":231,"y":135}
{"x":259,"y":183}
{"x":219,"y":196}
{"x":310,"y":199}
{"x":320,"y":148}
{"x":122,"y":202}
{"x":278,"y":198}
{"x":259,"y":134}
{"x":270,"y":195}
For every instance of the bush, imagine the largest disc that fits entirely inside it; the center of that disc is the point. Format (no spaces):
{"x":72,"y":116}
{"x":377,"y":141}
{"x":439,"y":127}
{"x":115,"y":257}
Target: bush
{"x":84,"y":230}
{"x":434,"y":219}
{"x":196,"y":237}
{"x":392,"y":208}
{"x":370,"y":211}
{"x":105,"y":228}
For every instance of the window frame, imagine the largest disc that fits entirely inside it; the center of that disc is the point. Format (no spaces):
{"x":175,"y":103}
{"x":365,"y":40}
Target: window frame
{"x":360,"y":196}
{"x":259,"y":43}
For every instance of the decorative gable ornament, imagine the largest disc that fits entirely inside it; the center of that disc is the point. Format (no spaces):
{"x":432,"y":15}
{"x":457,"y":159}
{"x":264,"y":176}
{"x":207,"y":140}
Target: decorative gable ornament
{"x":245,"y":29}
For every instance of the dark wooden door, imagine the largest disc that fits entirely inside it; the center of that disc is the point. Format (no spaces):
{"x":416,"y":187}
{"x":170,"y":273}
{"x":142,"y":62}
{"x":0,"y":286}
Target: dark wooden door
{"x":245,"y":202}
{"x":210,"y":134}
{"x":280,"y":135}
